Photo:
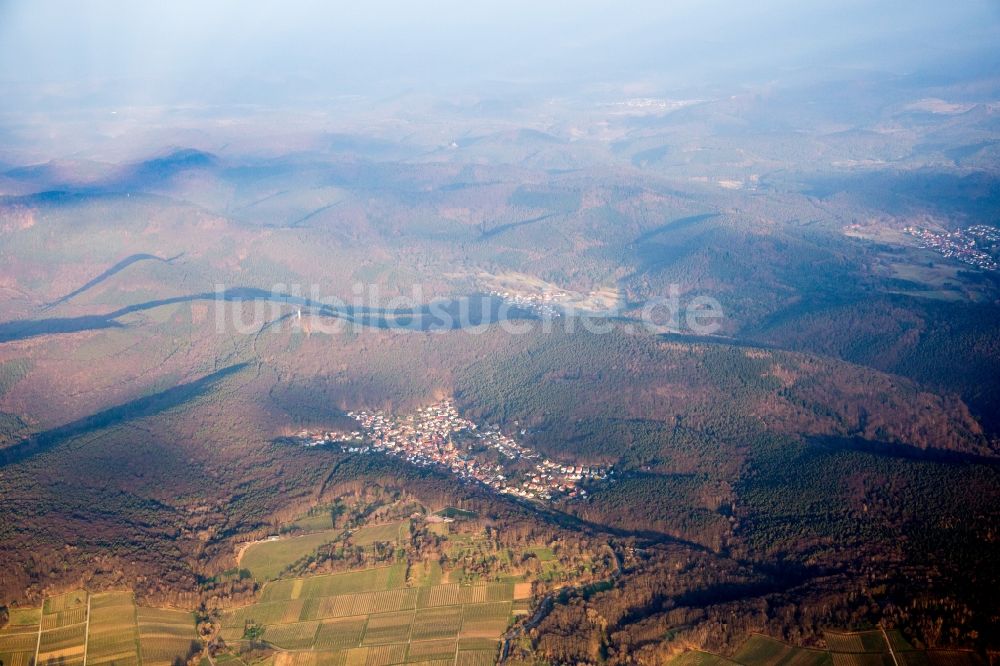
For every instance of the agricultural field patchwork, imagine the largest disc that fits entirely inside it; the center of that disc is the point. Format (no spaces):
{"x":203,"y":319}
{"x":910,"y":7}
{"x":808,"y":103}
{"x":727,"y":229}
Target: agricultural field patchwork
{"x":369,"y":617}
{"x":861,"y":659}
{"x":859,"y":641}
{"x":388,"y":628}
{"x":442,"y":622}
{"x":380,"y":615}
{"x":365,"y":580}
{"x":340,"y":634}
{"x":64,"y":602}
{"x":698,"y":658}
{"x":63,"y":635}
{"x":863,"y":648}
{"x":102,"y":629}
{"x":20,"y":637}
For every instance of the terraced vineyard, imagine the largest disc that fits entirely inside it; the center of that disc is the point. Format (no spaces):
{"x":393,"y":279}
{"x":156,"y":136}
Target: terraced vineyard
{"x":113,"y":639}
{"x":370,"y":618}
{"x":63,"y":635}
{"x":164,"y":635}
{"x":104,"y":629}
{"x":863,"y":648}
{"x":19,"y":639}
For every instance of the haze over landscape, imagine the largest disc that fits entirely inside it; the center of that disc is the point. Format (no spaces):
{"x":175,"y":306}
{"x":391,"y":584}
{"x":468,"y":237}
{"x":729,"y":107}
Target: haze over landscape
{"x":522,"y":333}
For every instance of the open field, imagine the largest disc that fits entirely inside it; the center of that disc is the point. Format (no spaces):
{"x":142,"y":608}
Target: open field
{"x":389,"y":532}
{"x":315,"y":522}
{"x":269,"y":558}
{"x":24,"y":617}
{"x":543,"y":553}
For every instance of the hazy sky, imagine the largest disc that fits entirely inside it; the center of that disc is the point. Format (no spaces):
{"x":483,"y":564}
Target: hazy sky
{"x":255,"y":50}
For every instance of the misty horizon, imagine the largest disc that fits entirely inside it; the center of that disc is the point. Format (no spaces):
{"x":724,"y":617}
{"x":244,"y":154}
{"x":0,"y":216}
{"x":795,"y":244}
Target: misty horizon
{"x":119,"y":53}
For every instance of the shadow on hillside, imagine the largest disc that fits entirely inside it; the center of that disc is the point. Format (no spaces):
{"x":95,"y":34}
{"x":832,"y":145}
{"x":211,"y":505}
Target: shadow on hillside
{"x":117,"y":268}
{"x":904,"y":451}
{"x":674,"y":225}
{"x":30,"y":328}
{"x":490,"y":233}
{"x":445,"y":315}
{"x":134,"y":409}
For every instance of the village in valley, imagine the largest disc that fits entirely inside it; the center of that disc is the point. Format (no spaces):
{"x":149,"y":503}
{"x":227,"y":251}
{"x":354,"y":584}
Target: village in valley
{"x":437,"y":436}
{"x":542,"y":305}
{"x":972,"y":245}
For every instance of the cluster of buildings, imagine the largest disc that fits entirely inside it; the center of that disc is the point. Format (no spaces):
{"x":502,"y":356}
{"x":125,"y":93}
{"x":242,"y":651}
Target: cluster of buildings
{"x":964,"y":244}
{"x":545,"y":305}
{"x":985,"y":233}
{"x":437,"y":436}
{"x":652,"y":104}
